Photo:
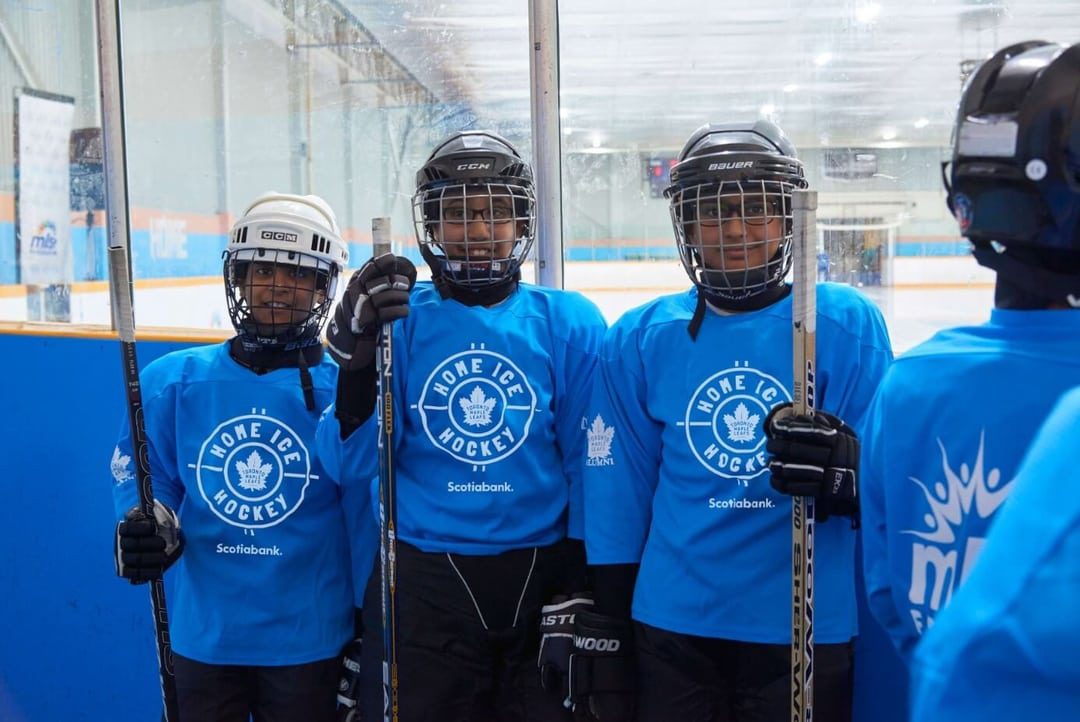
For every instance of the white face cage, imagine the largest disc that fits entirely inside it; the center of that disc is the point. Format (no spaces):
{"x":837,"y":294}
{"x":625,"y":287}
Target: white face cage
{"x":278,"y":298}
{"x":475,"y":234}
{"x":734,"y":237}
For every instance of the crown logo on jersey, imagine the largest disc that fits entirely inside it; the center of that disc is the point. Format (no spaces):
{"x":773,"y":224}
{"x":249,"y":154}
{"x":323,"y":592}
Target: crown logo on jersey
{"x":741,"y":425}
{"x":600,"y":437}
{"x":952,"y":500}
{"x":253,"y":472}
{"x":477,"y":407}
{"x":119,"y":466}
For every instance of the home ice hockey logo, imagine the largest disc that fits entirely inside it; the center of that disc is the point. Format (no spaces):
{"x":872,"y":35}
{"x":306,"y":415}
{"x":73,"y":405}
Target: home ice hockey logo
{"x":600,"y":438}
{"x":960,"y":508}
{"x":119,"y":466}
{"x":253,"y":471}
{"x":477,"y":406}
{"x":724,"y":417}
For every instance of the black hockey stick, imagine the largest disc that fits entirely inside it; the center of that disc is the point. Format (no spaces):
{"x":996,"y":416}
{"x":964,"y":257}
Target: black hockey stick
{"x":121,"y":294}
{"x":384,"y":362}
{"x":804,"y":330}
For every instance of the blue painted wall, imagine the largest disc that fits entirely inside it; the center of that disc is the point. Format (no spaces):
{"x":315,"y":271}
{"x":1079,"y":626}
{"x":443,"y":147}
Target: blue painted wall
{"x":76,"y":643}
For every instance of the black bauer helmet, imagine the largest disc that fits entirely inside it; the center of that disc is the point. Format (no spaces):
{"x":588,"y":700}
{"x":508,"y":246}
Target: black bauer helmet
{"x":1014,"y":180}
{"x":474,"y":211}
{"x":730,"y":201}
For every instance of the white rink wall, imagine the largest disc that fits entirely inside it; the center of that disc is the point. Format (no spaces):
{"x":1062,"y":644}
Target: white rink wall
{"x":929,"y":294}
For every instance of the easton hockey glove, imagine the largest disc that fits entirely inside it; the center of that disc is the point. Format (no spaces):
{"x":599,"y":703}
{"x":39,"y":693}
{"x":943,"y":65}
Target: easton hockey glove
{"x":146,"y":547}
{"x":814,"y":456}
{"x":602,"y":677}
{"x":557,"y":642}
{"x":378,"y":293}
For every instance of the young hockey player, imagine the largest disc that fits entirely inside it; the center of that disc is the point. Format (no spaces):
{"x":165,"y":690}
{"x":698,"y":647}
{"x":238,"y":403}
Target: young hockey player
{"x":686,"y":534}
{"x":1005,"y":647}
{"x":261,"y":601}
{"x":954,"y":416}
{"x":490,"y":385}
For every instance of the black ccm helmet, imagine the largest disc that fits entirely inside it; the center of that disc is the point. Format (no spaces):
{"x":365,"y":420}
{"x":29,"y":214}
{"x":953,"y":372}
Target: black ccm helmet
{"x":468,"y":166}
{"x":734,"y":171}
{"x":1014,"y":181}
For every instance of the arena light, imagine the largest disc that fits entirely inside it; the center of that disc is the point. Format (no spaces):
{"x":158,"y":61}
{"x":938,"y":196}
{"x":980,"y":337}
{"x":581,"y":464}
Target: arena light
{"x":867,"y":13}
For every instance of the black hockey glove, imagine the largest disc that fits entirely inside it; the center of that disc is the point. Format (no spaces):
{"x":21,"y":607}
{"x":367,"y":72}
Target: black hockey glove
{"x":349,"y":707}
{"x":814,"y":456}
{"x":557,"y":642}
{"x":602,"y":677}
{"x":376,"y":294}
{"x":146,"y":547}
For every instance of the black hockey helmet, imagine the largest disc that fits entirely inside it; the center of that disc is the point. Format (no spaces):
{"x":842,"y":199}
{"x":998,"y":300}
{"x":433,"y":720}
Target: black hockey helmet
{"x":1014,"y":180}
{"x":744,"y":172}
{"x":465,"y":167}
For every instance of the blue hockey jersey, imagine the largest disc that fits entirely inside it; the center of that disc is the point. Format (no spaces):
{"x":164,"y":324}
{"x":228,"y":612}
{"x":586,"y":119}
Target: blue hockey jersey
{"x":1005,"y":647}
{"x":676,"y":473}
{"x":489,"y":403}
{"x":945,"y":436}
{"x":264,"y":578}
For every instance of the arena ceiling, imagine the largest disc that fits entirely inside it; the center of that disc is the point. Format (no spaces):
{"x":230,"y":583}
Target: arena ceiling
{"x":645,"y":73}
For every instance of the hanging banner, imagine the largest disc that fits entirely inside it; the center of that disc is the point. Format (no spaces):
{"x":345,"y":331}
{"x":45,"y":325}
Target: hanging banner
{"x":43,"y":187}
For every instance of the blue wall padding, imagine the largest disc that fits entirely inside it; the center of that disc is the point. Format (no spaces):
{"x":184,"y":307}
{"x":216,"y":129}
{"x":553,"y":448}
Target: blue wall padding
{"x":76,"y":643}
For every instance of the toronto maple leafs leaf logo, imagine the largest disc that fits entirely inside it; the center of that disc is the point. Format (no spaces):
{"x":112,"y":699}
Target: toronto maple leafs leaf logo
{"x":600,"y":437}
{"x":741,"y":425}
{"x":253,"y":472}
{"x":477,"y":408}
{"x":119,"y":466}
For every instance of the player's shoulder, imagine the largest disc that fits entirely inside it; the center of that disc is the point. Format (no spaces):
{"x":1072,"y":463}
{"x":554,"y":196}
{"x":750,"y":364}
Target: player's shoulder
{"x":851,"y":312}
{"x":424,"y":294}
{"x":671,"y":310}
{"x":183,"y":365}
{"x":558,"y":301}
{"x":841,"y":300}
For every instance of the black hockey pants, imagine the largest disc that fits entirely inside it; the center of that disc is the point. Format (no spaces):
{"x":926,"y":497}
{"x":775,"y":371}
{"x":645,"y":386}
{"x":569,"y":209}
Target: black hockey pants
{"x":468,"y":634}
{"x":698,"y":679}
{"x":235,"y":693}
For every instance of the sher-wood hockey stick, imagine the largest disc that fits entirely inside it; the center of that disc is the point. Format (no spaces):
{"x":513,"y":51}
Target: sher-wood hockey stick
{"x":121,"y":294}
{"x":804,"y":330}
{"x":384,"y":362}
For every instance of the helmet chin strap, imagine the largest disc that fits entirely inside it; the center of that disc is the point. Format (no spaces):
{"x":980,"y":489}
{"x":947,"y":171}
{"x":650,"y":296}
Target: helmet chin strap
{"x":482,"y":296}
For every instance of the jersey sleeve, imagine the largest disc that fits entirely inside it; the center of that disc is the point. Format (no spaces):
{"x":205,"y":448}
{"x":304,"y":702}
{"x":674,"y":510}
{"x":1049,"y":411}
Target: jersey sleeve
{"x":858,"y":366}
{"x":622,"y":459}
{"x":874,"y":529}
{"x":576,"y":366}
{"x":352,"y":460}
{"x":158,"y":414}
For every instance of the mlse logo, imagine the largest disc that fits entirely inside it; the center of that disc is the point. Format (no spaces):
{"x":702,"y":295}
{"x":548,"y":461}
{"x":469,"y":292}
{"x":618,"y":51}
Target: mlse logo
{"x":732,"y":165}
{"x":475,"y":165}
{"x":278,"y":236}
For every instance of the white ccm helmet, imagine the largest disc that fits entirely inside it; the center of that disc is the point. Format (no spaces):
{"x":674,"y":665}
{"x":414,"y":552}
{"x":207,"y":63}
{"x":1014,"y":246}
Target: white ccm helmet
{"x":281,"y":269}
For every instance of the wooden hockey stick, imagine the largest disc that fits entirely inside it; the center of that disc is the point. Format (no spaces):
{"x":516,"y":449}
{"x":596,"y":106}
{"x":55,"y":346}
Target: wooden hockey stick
{"x":804,"y":330}
{"x":121,"y":295}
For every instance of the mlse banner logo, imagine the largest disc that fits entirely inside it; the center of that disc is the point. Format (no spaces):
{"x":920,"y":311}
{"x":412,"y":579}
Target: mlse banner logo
{"x":44,"y":241}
